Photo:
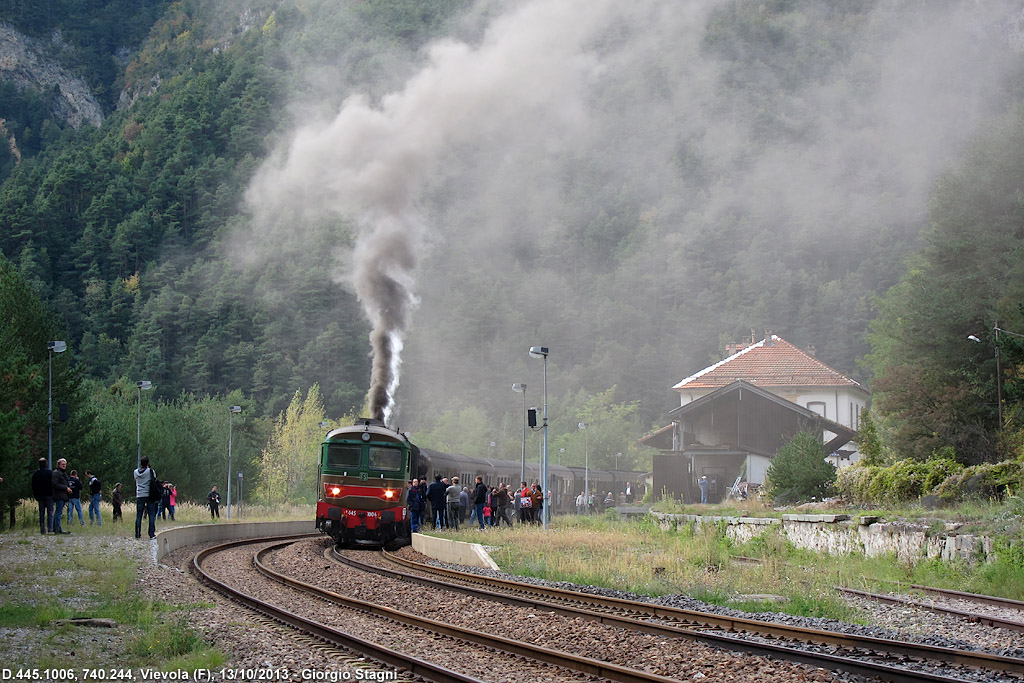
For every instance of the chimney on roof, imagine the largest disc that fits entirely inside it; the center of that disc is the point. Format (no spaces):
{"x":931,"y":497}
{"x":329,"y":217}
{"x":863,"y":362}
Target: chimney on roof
{"x":812,"y":350}
{"x":768,"y":341}
{"x":733,"y":348}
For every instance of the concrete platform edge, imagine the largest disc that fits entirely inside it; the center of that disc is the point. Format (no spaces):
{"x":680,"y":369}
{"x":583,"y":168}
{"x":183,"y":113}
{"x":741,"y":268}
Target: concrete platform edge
{"x":179,"y":537}
{"x":454,"y":552}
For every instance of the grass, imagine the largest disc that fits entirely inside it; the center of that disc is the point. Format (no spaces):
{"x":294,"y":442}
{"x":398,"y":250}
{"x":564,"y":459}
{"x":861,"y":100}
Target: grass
{"x":598,"y":550}
{"x":27,"y":517}
{"x":98,"y":580}
{"x":637,"y":556}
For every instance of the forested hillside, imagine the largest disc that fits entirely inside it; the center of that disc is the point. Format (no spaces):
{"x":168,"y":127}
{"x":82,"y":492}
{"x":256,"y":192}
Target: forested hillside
{"x":630,"y":184}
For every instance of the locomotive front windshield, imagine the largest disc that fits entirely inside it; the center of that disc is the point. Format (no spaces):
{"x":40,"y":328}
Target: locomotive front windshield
{"x":340,"y":455}
{"x":385,"y":459}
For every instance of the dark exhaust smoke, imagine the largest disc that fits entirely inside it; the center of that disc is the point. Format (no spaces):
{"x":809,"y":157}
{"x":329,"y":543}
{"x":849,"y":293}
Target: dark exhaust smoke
{"x":385,"y":261}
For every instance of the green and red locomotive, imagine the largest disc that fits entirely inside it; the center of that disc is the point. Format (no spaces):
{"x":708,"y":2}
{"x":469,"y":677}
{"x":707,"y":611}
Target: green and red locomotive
{"x":364,"y":470}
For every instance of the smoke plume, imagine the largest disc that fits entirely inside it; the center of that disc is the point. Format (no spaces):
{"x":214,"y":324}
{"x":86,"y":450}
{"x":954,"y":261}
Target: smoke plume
{"x":371,"y":161}
{"x":615,"y":179}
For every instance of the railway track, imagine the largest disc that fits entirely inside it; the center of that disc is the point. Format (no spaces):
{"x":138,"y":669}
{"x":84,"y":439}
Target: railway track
{"x":566,"y":667}
{"x":888,"y":660}
{"x":994,"y":621}
{"x":337,"y":638}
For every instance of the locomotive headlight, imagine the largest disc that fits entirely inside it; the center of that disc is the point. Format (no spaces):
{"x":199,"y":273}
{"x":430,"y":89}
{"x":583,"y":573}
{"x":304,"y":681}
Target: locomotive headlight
{"x":334,"y":490}
{"x":389,"y":494}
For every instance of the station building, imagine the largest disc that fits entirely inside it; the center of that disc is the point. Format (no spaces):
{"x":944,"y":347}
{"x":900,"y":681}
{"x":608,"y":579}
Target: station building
{"x":734,"y":416}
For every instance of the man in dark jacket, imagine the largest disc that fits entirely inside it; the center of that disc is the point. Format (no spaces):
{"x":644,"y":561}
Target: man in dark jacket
{"x":61,"y":494}
{"x":42,"y":489}
{"x":479,"y":499}
{"x":416,"y":502}
{"x":504,"y":505}
{"x":438,"y":503}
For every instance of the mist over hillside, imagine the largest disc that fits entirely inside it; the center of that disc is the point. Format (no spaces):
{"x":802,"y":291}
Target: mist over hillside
{"x":634,"y":184}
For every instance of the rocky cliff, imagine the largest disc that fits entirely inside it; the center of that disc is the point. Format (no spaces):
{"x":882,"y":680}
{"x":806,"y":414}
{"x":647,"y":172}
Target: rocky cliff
{"x":23,"y":61}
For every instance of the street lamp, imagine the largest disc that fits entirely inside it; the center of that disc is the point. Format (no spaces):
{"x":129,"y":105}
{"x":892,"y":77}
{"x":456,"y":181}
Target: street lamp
{"x":999,"y":369}
{"x":542,"y":352}
{"x":586,"y":464}
{"x":143,"y":385}
{"x":231,"y":411}
{"x":520,"y":387}
{"x":54,"y":347}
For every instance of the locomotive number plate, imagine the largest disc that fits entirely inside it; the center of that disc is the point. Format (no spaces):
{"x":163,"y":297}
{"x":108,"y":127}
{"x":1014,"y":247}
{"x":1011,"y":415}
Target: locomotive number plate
{"x":362,"y":513}
{"x":363,"y":476}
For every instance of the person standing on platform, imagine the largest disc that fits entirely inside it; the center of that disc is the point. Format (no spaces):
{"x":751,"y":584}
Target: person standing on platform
{"x":452,"y":498}
{"x":145,"y":504}
{"x":95,"y":495}
{"x":42,"y":490}
{"x":75,"y":499}
{"x":213,"y":500}
{"x":116,"y":498}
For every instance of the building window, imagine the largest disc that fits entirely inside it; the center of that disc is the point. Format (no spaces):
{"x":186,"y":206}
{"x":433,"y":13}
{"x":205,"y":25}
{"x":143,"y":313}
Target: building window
{"x":817,"y":407}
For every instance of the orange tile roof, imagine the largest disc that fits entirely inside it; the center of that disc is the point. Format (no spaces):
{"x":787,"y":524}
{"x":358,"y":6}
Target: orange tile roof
{"x":776,"y":365}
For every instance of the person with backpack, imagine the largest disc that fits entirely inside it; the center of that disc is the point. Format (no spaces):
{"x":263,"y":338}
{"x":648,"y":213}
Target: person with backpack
{"x":146,"y":486}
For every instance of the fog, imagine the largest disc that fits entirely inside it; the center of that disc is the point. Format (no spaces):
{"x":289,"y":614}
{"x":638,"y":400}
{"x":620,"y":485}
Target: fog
{"x":628,"y":183}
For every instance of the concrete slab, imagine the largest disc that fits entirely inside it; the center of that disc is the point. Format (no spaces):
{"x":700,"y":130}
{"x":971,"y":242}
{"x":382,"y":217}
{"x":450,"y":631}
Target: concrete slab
{"x":454,"y":552}
{"x":179,"y":537}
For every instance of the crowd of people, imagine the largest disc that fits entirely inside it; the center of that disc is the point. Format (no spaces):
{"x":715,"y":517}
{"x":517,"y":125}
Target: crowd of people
{"x":445,"y":504}
{"x":58,"y":489}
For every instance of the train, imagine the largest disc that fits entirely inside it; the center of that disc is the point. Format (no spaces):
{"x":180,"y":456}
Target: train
{"x":565,"y":482}
{"x":361,"y":497}
{"x":365,"y":469}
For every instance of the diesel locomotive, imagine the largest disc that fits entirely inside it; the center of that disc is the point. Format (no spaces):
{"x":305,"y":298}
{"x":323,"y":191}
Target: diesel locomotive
{"x":362,"y":484}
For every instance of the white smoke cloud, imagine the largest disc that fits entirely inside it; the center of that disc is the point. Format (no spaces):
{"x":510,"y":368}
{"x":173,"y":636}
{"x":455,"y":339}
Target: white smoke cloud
{"x":486,"y":148}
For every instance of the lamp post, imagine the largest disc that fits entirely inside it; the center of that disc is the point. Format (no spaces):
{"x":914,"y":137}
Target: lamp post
{"x":143,"y":385}
{"x":520,"y":387}
{"x":999,"y":370}
{"x":542,"y":352}
{"x":586,"y":464}
{"x":231,"y":411}
{"x":54,"y":347}
{"x":617,"y":456}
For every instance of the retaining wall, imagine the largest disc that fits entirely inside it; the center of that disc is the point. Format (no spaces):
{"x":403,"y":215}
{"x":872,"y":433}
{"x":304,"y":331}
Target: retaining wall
{"x":442,"y":549}
{"x":454,"y":552}
{"x":181,"y":536}
{"x":838,"y":535}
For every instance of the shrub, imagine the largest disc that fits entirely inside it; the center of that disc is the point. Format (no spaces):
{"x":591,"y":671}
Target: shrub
{"x":853,"y":483}
{"x":987,"y":480}
{"x":900,"y":482}
{"x":800,"y":472}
